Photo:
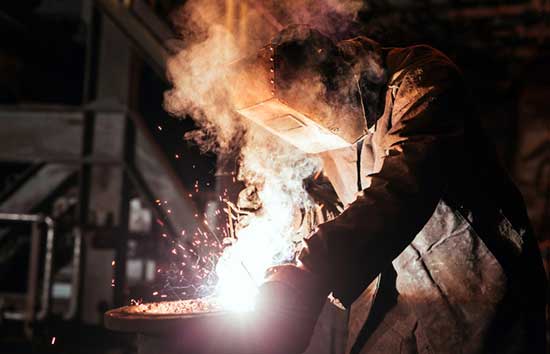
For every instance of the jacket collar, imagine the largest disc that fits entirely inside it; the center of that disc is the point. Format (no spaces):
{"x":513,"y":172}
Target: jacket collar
{"x":367,"y":58}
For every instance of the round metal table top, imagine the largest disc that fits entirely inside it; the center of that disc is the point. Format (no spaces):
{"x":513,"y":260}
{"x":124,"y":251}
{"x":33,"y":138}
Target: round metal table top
{"x":127,"y":319}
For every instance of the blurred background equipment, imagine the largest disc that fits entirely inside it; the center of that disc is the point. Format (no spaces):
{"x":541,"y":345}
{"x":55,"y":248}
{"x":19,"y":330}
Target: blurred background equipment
{"x":94,"y":174}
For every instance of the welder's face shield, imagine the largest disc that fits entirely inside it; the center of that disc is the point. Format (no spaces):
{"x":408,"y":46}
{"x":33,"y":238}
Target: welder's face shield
{"x":298,"y":93}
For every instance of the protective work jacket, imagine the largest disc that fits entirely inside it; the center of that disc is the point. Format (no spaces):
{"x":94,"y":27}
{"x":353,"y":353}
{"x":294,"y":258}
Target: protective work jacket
{"x":435,"y":253}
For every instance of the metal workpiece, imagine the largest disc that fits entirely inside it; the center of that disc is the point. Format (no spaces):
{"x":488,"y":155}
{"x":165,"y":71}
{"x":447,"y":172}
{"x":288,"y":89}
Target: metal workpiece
{"x":269,"y":328}
{"x":171,"y":333}
{"x":126,"y":319}
{"x":213,"y":332}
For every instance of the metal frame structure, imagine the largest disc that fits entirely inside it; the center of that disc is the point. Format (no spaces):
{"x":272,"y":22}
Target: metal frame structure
{"x":103,"y":136}
{"x":29,"y":315}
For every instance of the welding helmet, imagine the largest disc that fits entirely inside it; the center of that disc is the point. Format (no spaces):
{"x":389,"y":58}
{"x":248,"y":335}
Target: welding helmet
{"x":300,"y":88}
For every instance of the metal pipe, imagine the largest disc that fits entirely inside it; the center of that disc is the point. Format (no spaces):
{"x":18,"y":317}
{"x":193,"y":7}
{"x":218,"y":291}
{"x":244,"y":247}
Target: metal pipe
{"x":121,"y":242}
{"x":21,"y":217}
{"x":75,"y":275}
{"x":34,"y":254}
{"x":48,"y":265}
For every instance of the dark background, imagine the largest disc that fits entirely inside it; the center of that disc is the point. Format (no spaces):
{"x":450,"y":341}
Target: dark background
{"x":83,"y":134}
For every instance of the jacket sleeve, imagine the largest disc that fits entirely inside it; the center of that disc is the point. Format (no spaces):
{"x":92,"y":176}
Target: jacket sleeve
{"x":422,"y":147}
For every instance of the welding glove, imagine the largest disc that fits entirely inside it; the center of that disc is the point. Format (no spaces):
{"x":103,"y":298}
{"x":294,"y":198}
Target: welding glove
{"x":289,"y":301}
{"x":248,"y":199}
{"x":321,"y":190}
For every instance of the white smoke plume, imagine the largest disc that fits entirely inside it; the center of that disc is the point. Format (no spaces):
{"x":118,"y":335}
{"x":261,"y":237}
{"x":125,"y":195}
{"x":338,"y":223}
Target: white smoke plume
{"x":213,"y":34}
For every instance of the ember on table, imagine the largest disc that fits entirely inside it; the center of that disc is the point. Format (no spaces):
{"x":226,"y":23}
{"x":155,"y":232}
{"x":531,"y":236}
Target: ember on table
{"x":200,"y":305}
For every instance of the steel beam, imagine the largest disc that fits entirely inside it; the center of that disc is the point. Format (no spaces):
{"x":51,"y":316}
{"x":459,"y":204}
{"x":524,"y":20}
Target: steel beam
{"x":38,"y":188}
{"x":40,"y":134}
{"x":143,"y":39}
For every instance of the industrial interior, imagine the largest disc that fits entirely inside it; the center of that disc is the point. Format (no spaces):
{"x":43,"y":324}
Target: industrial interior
{"x":136,"y":149}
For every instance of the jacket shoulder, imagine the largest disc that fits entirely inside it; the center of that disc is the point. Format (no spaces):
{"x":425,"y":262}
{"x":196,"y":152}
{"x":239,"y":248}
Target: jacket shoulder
{"x":438,"y":69}
{"x":425,"y":81}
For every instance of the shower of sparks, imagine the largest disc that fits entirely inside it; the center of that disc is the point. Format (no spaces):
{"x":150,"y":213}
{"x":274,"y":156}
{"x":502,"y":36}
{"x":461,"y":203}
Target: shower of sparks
{"x":193,"y":256}
{"x":137,"y":302}
{"x":223,"y":260}
{"x":228,"y":251}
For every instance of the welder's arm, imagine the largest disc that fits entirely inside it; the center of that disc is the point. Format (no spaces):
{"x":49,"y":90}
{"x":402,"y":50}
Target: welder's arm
{"x":287,"y":307}
{"x":422,"y":146}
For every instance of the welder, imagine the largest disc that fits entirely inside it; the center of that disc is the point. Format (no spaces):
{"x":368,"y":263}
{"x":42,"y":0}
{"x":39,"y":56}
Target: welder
{"x":434,"y":252}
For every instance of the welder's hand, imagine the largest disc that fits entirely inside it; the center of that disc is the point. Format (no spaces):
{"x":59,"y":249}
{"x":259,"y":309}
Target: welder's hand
{"x":323,"y":193}
{"x":290,"y":301}
{"x":248,"y":204}
{"x":249,"y":200}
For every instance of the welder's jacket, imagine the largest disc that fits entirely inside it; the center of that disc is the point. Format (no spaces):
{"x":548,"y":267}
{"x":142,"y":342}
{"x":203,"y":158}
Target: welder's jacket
{"x":435,"y":254}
